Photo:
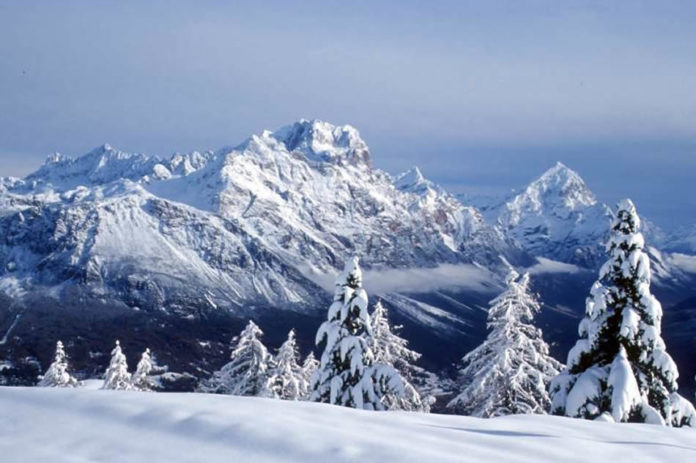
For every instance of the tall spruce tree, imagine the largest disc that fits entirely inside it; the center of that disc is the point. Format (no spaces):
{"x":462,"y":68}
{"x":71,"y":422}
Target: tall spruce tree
{"x":246,"y":372}
{"x":620,"y":367}
{"x":117,"y":376}
{"x":286,"y":378}
{"x":347,"y":374}
{"x":57,"y":374}
{"x":509,"y":372}
{"x":391,"y":349}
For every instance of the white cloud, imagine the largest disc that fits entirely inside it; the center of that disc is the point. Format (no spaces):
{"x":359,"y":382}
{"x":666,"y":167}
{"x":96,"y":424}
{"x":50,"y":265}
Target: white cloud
{"x":684,"y":262}
{"x":544,"y":265}
{"x":414,"y":280}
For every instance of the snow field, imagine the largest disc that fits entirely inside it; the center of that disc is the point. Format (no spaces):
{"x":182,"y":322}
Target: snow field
{"x":80,"y":425}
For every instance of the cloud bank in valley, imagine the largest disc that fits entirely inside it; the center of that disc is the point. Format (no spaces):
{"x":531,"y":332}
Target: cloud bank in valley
{"x":415,"y":280}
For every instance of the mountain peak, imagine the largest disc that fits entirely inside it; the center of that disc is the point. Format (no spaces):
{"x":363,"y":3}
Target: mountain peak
{"x":558,"y":216}
{"x":321,"y":141}
{"x":561,"y":183}
{"x":55,"y":158}
{"x":101,"y":165}
{"x":410,"y":179}
{"x":561,"y":172}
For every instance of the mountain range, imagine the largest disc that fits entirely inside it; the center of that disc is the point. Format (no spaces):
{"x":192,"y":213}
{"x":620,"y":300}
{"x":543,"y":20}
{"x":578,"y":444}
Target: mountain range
{"x":176,"y":253}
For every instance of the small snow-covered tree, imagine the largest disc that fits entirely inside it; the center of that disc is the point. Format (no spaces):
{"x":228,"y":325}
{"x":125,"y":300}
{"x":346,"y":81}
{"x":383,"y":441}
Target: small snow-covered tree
{"x":117,"y":376}
{"x":347,"y":374}
{"x":57,"y":374}
{"x":247,"y":371}
{"x":391,"y":349}
{"x":286,"y":379}
{"x":309,"y":366}
{"x":141,"y":380}
{"x":620,"y":367}
{"x":509,"y":372}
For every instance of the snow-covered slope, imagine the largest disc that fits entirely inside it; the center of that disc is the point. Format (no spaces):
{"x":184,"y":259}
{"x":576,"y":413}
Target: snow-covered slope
{"x":112,"y":426}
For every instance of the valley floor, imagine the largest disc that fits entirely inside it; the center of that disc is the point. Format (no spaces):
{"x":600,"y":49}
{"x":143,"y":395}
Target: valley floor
{"x":60,"y":425}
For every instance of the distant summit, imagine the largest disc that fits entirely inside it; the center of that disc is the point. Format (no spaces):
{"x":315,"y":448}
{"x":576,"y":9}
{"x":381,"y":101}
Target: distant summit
{"x":556,"y":216}
{"x":102,"y":165}
{"x":321,"y":141}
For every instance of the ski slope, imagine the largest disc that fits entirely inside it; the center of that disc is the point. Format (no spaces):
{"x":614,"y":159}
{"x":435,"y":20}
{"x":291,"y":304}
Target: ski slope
{"x":62,"y":425}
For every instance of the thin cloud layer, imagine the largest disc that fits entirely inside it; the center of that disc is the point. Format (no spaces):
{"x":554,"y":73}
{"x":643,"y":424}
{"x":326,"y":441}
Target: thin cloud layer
{"x":415,"y":280}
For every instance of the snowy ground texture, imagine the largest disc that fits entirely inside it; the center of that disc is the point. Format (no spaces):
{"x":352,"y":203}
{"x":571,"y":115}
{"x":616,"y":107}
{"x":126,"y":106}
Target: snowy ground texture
{"x":64,"y":425}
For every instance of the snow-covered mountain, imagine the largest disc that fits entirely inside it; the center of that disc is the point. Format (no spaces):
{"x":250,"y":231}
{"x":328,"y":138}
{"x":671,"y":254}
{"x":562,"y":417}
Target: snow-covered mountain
{"x":555,"y":216}
{"x":259,"y":230}
{"x":558,"y":217}
{"x":253,"y":223}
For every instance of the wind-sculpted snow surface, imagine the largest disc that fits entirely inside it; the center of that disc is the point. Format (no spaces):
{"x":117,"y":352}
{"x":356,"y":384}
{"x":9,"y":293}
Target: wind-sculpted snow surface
{"x":67,"y":425}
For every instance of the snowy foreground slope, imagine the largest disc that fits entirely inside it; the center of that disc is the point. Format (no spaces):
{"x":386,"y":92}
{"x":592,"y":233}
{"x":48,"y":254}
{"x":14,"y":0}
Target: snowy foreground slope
{"x":91,"y":425}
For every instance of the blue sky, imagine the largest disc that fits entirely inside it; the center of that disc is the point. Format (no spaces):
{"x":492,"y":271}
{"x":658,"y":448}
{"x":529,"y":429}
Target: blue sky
{"x":483,"y":96}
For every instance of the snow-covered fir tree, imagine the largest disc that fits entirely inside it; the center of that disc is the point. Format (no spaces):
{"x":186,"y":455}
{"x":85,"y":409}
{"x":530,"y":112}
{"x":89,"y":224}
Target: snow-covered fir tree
{"x":309,"y":366}
{"x":247,"y":371}
{"x":286,"y":378}
{"x":347,"y":374}
{"x":391,"y":349}
{"x":117,"y":376}
{"x":57,"y":374}
{"x":510,"y":371}
{"x":141,"y":379}
{"x":619,"y":367}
